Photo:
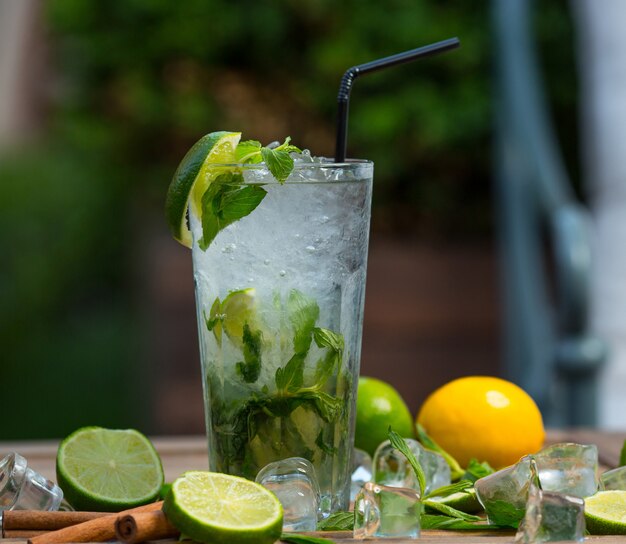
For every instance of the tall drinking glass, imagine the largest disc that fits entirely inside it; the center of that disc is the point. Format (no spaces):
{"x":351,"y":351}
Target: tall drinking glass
{"x":279,"y":296}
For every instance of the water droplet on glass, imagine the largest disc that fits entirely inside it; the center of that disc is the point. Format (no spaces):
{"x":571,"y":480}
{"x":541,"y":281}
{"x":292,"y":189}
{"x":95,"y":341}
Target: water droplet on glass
{"x":266,"y":261}
{"x":324,"y":219}
{"x":310,"y":249}
{"x":297,"y":235}
{"x":229,"y":248}
{"x":282,"y":273}
{"x":250,"y":280}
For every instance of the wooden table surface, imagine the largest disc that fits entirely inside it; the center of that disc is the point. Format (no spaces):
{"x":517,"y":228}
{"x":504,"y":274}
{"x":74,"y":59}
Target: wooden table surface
{"x":186,"y":453}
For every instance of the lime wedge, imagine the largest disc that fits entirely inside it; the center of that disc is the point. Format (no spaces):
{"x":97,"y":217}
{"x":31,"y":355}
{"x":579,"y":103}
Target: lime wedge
{"x":605,"y":513}
{"x":239,"y":308}
{"x":108,"y":470}
{"x":193,"y":176}
{"x":218,"y":508}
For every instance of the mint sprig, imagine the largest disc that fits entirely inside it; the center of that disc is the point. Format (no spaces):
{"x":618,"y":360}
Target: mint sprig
{"x":400,"y":444}
{"x":339,"y":521}
{"x":278,"y":159}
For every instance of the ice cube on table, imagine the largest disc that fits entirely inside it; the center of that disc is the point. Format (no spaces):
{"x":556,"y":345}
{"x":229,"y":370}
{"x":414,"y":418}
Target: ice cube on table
{"x":569,"y":468}
{"x":12,"y":473}
{"x":386,"y":512}
{"x":294,"y":482}
{"x":22,"y":488}
{"x":391,"y":467}
{"x":614,"y":479}
{"x":361,"y":471}
{"x":503,"y":494}
{"x":552,"y":517}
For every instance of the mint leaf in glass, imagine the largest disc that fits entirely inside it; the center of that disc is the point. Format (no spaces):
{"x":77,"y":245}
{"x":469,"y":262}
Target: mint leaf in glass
{"x":225,"y":201}
{"x":250,"y":368}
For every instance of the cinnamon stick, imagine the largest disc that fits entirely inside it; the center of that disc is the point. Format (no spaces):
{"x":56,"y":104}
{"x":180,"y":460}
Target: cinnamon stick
{"x":21,"y":533}
{"x":133,"y":528}
{"x":96,"y":530}
{"x":45,"y":521}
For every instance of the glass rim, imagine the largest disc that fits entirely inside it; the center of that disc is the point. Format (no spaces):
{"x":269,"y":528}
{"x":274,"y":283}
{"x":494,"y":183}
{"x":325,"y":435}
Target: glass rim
{"x":328,"y":163}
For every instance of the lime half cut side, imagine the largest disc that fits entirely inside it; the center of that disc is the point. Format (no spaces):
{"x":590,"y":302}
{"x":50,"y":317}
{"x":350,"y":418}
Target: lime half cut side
{"x":605,"y":513}
{"x":219,"y":508}
{"x":193,"y":176}
{"x":108,"y":470}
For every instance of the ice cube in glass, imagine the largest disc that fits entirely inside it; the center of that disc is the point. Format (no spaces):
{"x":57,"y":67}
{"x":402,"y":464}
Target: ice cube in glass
{"x":386,"y":512}
{"x":294,"y":482}
{"x":391,"y":467}
{"x":361,"y":471}
{"x":552,"y":517}
{"x":569,"y":468}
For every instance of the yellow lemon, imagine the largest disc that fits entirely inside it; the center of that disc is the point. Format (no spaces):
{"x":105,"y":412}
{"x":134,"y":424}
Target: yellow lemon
{"x":487,"y":418}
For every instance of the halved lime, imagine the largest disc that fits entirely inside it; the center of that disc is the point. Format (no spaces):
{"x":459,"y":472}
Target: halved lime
{"x":107,"y":470}
{"x":218,"y":508}
{"x":605,"y":513}
{"x":193,"y":176}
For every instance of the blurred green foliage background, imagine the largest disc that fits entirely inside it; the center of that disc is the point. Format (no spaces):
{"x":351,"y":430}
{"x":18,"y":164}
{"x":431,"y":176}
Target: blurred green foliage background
{"x":136,"y":82}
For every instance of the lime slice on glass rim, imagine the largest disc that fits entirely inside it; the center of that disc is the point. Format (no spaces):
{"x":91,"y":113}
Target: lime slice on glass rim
{"x":219,"y":508}
{"x":193,"y":176}
{"x":605,"y":513}
{"x":106,"y":470}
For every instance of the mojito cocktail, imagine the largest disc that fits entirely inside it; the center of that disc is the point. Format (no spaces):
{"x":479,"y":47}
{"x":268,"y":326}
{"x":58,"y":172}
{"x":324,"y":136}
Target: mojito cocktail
{"x":279,"y":269}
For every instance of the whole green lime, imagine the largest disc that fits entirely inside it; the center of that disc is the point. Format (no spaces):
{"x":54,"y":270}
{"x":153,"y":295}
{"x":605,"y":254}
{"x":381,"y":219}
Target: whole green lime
{"x":378,"y":406}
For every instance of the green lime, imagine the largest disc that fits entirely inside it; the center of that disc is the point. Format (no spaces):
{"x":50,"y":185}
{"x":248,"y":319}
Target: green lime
{"x":108,"y":470}
{"x":378,"y":406}
{"x":605,"y":513}
{"x":218,"y":508}
{"x":193,"y":176}
{"x":465,"y":501}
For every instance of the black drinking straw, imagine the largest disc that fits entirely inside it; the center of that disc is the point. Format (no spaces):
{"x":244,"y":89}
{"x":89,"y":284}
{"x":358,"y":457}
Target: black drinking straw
{"x":343,"y":98}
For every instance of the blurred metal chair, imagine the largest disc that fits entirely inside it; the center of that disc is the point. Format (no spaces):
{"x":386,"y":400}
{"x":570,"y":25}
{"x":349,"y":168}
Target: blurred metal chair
{"x":543,"y":237}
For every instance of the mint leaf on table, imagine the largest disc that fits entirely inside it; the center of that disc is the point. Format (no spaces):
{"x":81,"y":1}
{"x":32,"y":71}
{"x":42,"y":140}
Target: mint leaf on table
{"x":339,"y":521}
{"x":447,"y":490}
{"x":400,"y":444}
{"x":505,"y":514}
{"x":476,"y":471}
{"x":295,"y":538}
{"x":225,"y":201}
{"x":431,"y":521}
{"x":449,"y":511}
{"x":250,"y":368}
